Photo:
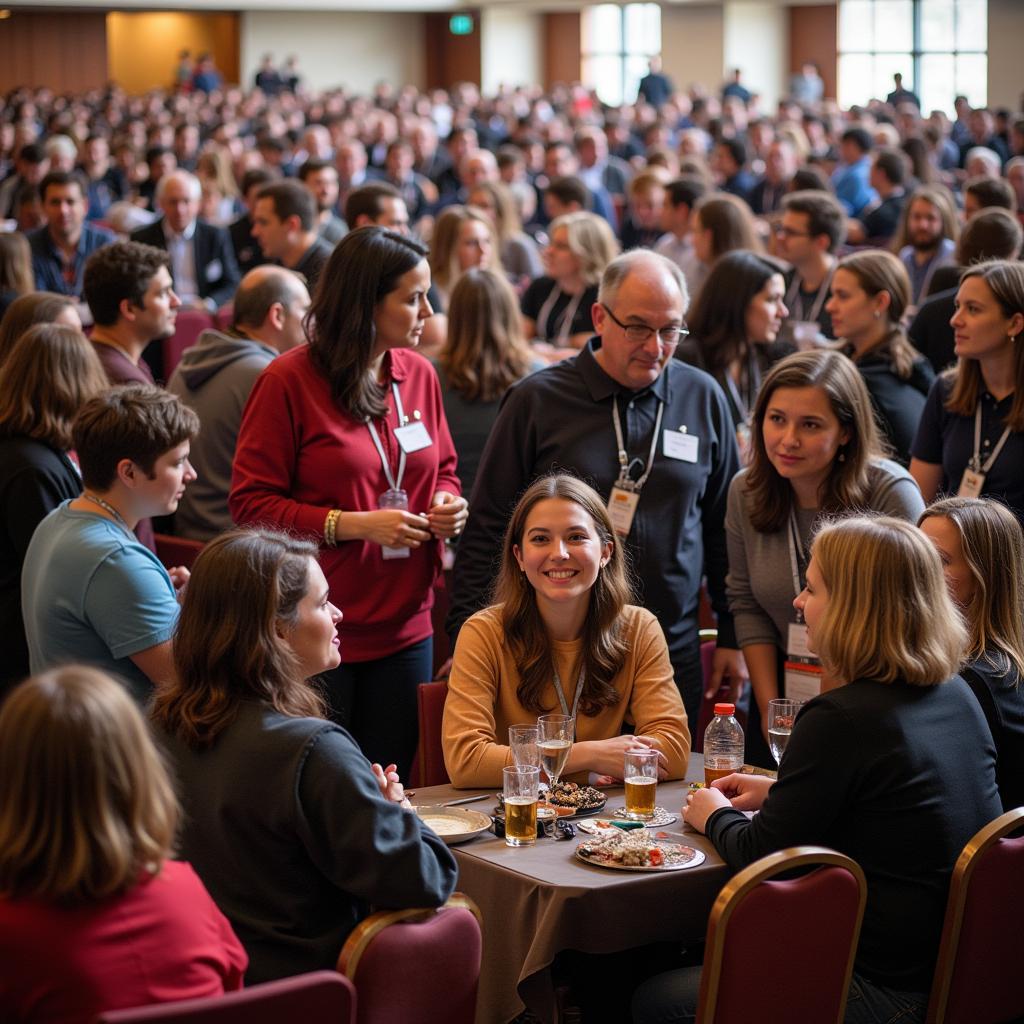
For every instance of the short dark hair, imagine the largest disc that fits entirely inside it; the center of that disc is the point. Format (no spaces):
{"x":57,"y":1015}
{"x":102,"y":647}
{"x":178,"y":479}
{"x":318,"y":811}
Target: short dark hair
{"x":686,"y":190}
{"x":860,"y":137}
{"x":990,"y":192}
{"x":368,"y":201}
{"x":152,"y":152}
{"x":736,"y":148}
{"x":313,"y":165}
{"x":138,"y":422}
{"x":991,"y":234}
{"x":291,"y":199}
{"x":570,"y":189}
{"x":893,"y":164}
{"x":121,"y":270}
{"x":32,"y":153}
{"x":61,"y":179}
{"x":824,"y":214}
{"x":257,"y":176}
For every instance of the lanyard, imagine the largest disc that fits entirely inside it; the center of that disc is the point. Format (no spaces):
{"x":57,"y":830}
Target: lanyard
{"x":394,"y":483}
{"x":575,"y":700}
{"x":753,"y":386}
{"x":796,"y":558}
{"x":976,"y":463}
{"x":794,"y":294}
{"x":624,"y":480}
{"x":107,"y":507}
{"x":566,"y":319}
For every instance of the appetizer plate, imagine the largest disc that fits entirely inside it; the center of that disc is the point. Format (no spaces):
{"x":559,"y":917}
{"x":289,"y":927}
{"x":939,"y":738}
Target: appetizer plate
{"x":677,"y":858}
{"x":454,"y":824}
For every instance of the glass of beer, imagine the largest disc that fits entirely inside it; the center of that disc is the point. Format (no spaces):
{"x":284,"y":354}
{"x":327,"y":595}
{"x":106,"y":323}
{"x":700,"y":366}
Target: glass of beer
{"x":640,"y":774}
{"x":523,"y":741}
{"x":519,"y":787}
{"x":554,"y":743}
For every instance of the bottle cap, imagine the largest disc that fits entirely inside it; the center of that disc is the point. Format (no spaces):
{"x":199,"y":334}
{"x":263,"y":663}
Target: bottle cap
{"x":725,"y":709}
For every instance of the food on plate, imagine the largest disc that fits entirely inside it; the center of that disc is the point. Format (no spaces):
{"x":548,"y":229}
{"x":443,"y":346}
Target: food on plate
{"x":629,"y":849}
{"x":570,"y":798}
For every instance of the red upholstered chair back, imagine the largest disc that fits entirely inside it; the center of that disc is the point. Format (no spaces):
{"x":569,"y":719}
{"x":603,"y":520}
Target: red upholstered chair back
{"x":761,"y":928}
{"x":189,"y":325}
{"x":419,"y":966}
{"x":429,"y":768}
{"x":322,"y":997}
{"x":976,"y":980}
{"x":174,"y":551}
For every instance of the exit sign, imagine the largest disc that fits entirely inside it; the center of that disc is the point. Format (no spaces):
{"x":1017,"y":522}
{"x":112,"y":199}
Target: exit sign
{"x":460,"y":24}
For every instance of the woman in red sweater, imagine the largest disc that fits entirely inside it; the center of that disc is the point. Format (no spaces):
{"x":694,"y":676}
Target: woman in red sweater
{"x":345,"y":441}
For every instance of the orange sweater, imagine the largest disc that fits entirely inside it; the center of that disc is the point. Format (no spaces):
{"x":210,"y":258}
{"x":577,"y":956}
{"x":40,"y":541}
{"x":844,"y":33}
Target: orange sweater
{"x":482,"y":701}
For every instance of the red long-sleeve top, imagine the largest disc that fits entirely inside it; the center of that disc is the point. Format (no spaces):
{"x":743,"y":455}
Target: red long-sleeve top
{"x":299,"y":456}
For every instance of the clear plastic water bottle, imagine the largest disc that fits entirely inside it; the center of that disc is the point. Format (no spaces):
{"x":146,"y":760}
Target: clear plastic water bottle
{"x":723,"y":744}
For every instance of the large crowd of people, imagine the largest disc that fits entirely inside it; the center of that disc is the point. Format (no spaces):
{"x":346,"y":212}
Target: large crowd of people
{"x":620,"y":369}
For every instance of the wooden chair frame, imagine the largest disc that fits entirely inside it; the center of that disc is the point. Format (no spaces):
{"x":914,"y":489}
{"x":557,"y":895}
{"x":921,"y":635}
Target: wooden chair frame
{"x":732,"y":895}
{"x":959,"y":886}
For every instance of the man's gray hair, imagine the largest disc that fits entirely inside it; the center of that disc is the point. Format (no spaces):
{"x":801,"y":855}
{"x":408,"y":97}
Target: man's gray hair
{"x":195,"y":189}
{"x":622,"y":266}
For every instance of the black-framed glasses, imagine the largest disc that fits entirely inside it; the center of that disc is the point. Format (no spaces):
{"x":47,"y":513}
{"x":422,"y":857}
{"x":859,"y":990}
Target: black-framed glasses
{"x":639,"y":333}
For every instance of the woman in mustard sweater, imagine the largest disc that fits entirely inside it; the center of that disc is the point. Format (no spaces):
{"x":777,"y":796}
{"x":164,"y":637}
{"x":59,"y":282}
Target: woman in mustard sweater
{"x":562,"y":637}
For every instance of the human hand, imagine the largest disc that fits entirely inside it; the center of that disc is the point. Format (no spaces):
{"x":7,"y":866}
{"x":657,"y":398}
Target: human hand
{"x":179,"y":577}
{"x":396,"y":528}
{"x":728,"y":667}
{"x":744,"y":792}
{"x":606,"y":757}
{"x":390,"y":784}
{"x":447,"y":514}
{"x":700,"y":805}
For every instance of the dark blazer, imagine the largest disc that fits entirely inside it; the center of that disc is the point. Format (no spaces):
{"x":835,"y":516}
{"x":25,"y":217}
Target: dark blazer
{"x":217,"y":273}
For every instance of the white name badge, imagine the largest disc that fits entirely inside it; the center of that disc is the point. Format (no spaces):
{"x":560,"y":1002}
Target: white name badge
{"x":796,"y":645}
{"x":971,"y":484}
{"x":621,"y":509}
{"x":681,"y":446}
{"x":802,"y":671}
{"x":413,"y":437}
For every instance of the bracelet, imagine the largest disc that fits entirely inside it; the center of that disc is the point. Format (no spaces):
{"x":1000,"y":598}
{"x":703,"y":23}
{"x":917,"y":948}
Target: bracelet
{"x":331,"y":527}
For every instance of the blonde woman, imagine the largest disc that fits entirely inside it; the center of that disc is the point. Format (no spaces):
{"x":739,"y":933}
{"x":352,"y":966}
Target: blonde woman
{"x":93,"y":914}
{"x":982,"y":550}
{"x":519,"y":254}
{"x":894,"y":766}
{"x":463,"y":239}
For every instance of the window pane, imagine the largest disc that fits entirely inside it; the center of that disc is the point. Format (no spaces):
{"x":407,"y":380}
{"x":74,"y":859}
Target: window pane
{"x":971,"y":79}
{"x":894,"y":25}
{"x":855,"y":71}
{"x":972,"y":25}
{"x":636,"y":68}
{"x":937,"y":25}
{"x":887,"y":65}
{"x":643,"y":28}
{"x":605,"y":75}
{"x":855,"y":21}
{"x":937,"y":75}
{"x":602,"y":29}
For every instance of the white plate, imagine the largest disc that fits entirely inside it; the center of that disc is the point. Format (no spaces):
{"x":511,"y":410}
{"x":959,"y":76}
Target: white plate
{"x":698,"y":858}
{"x":661,"y":817}
{"x":454,"y":824}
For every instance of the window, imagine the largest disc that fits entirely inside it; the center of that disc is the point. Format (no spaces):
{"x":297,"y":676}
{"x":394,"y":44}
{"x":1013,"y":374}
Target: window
{"x":617,"y":42}
{"x":939,"y":46}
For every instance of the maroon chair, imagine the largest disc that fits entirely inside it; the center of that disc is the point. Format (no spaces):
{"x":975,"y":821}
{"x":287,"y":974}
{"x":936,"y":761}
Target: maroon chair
{"x":224,"y":316}
{"x":429,"y":769}
{"x":174,"y":551}
{"x":417,"y":965}
{"x":982,"y":948}
{"x":189,"y":325}
{"x":760,"y":929}
{"x":323,"y":997}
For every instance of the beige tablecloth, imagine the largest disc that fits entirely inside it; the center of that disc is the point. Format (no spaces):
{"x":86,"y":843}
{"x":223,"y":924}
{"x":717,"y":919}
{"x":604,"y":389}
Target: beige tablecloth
{"x":537,"y":901}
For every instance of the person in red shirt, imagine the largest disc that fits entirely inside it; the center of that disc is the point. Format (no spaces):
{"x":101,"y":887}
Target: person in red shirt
{"x":345,"y":441}
{"x":93,"y":917}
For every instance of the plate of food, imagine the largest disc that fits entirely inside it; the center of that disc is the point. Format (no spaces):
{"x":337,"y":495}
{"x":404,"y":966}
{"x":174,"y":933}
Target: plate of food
{"x":454,"y":824}
{"x":637,"y":851}
{"x":571,"y":800}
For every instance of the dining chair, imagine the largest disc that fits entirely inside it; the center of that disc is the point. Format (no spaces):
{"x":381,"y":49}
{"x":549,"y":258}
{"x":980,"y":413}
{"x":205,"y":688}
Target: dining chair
{"x":429,"y":769}
{"x":322,"y":997}
{"x":416,"y":965}
{"x":174,"y":551}
{"x":761,"y":928}
{"x":190,"y":323}
{"x":982,"y":946}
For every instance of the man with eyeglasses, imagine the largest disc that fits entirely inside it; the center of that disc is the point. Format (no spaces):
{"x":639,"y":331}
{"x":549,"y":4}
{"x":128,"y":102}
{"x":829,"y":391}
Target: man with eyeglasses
{"x":651,"y":434}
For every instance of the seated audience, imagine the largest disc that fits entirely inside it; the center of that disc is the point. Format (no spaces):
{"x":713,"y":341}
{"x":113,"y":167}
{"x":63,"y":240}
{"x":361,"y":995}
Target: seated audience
{"x":285,"y":226}
{"x":926,"y":240}
{"x":641,"y":225}
{"x":971,"y":437}
{"x":215,"y":377}
{"x":247,"y":249}
{"x":893,"y":766}
{"x":720,"y":224}
{"x":463,"y":239}
{"x":851,"y":177}
{"x":879,"y":221}
{"x":36,"y":308}
{"x":317,"y":834}
{"x":988,"y":193}
{"x":729,"y":162}
{"x":676,"y":243}
{"x":377,"y":204}
{"x":518,"y":252}
{"x":562,"y":636}
{"x":321,"y":178}
{"x":982,"y":550}
{"x":16,"y":277}
{"x":870,"y":293}
{"x":90,"y":591}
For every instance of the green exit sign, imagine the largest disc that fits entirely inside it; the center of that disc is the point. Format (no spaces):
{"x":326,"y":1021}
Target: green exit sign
{"x":460,"y":24}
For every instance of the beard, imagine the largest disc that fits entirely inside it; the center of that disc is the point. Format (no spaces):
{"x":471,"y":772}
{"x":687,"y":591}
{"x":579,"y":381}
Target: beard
{"x":923,"y":242}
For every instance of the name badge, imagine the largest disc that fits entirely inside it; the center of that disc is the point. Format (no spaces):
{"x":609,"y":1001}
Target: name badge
{"x":802,"y":670}
{"x":393,"y":498}
{"x":214,"y":270}
{"x":413,"y":437}
{"x":683,"y":447}
{"x":971,"y":484}
{"x":621,"y":509}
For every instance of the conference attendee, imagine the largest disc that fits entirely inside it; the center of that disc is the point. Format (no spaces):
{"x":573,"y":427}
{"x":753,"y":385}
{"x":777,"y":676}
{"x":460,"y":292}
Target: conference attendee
{"x":36,"y":308}
{"x":927,"y":238}
{"x":981,"y":134}
{"x":350,"y":161}
{"x":598,"y":167}
{"x":203,"y":265}
{"x":681,"y":196}
{"x":462,"y":240}
{"x":331,"y":446}
{"x":984,"y":193}
{"x":900,"y":94}
{"x":319,"y":834}
{"x":971,"y":438}
{"x":721,"y":223}
{"x":90,"y":592}
{"x":321,"y":178}
{"x":982,"y":550}
{"x":780,"y":164}
{"x":851,"y":177}
{"x":50,"y":373}
{"x":562,"y":635}
{"x":284,"y":223}
{"x":247,"y":249}
{"x":105,"y":183}
{"x":729,"y":163}
{"x":613,"y":415}
{"x":518,"y":252}
{"x":991,"y":234}
{"x":870,"y":295}
{"x":558,"y":307}
{"x":893,"y":767}
{"x":807,"y":86}
{"x":641,"y":223}
{"x":377,"y":204}
{"x":16,"y":277}
{"x":31,"y":165}
{"x":418,"y":192}
{"x":215,"y":377}
{"x":95,"y":916}
{"x":61,"y":247}
{"x":221,"y":202}
{"x":160,"y":161}
{"x":880,"y":221}
{"x":655,"y":87}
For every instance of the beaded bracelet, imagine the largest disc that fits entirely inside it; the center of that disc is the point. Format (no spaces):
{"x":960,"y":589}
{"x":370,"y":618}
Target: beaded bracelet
{"x":331,"y":527}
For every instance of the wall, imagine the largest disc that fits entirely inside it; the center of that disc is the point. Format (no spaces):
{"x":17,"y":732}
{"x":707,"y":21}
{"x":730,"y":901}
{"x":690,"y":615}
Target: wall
{"x":1005,"y":35}
{"x":143,"y":48}
{"x":67,"y":51}
{"x":814,"y":35}
{"x":560,"y":44}
{"x":693,"y":45}
{"x":757,"y":42}
{"x":449,"y":58}
{"x":355,"y":49}
{"x":510,"y":48}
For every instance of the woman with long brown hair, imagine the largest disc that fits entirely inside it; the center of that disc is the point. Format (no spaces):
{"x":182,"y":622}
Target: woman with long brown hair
{"x":561,"y":635}
{"x":36,"y":308}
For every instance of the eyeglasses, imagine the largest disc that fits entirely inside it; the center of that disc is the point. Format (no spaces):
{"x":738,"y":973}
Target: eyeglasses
{"x":781,"y":229}
{"x":639,"y":333}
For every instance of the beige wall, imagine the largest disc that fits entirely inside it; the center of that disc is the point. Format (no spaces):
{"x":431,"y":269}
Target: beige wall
{"x":354,"y":49}
{"x":511,"y":48}
{"x":1005,"y":39}
{"x":693,"y":44}
{"x":756,"y":40}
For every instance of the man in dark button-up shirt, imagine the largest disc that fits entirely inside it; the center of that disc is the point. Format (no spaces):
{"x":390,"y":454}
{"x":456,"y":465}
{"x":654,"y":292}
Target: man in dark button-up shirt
{"x":562,"y":418}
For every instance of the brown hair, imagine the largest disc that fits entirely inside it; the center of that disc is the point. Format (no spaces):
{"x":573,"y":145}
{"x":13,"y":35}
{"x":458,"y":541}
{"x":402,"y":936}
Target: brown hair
{"x":444,"y":246}
{"x":847,"y":486}
{"x":15,"y":263}
{"x":730,"y":222}
{"x":23,"y":312}
{"x":485,"y":352}
{"x":86,"y":806}
{"x":604,"y":649}
{"x":507,"y":223}
{"x":941,"y":198}
{"x":119,"y":271}
{"x":50,"y":373}
{"x":227,"y":649}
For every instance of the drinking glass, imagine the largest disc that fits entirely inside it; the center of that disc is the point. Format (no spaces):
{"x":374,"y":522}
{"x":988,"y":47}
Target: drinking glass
{"x":781,"y":713}
{"x":519,"y":788}
{"x":640,"y":774}
{"x":523,"y":741}
{"x":554,"y":741}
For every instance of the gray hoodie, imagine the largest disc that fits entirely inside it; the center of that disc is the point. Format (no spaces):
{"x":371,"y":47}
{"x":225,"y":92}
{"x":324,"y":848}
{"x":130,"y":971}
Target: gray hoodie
{"x":214,"y":378}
